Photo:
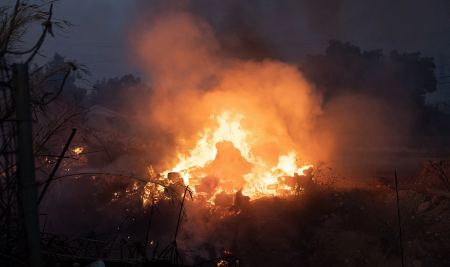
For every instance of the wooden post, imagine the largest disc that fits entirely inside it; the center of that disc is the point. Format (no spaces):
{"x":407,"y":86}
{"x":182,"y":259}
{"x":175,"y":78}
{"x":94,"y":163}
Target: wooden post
{"x":27,"y":194}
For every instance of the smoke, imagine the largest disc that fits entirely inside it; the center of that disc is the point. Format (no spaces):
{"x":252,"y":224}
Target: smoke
{"x":291,"y":29}
{"x":193,"y":80}
{"x":366,"y":133}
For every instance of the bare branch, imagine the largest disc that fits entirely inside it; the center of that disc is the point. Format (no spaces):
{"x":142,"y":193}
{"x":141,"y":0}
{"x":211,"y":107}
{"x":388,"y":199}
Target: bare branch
{"x":47,"y":29}
{"x":11,"y":29}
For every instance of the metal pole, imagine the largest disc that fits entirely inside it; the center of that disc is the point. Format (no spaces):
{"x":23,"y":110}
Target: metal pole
{"x":27,"y":195}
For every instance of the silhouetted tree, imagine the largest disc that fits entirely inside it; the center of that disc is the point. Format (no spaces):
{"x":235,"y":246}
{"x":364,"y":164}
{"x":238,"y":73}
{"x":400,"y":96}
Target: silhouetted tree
{"x":117,"y":93}
{"x":55,"y":75}
{"x":399,"y":79}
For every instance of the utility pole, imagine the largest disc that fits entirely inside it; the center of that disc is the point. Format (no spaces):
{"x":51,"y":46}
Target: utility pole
{"x":27,"y":194}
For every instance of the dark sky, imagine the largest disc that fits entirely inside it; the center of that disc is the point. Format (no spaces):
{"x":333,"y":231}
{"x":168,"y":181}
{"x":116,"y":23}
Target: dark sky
{"x":290,"y":28}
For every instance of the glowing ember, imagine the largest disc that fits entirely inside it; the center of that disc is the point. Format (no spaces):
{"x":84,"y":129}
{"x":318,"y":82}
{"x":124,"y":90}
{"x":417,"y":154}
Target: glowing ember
{"x":78,"y":150}
{"x":222,"y":263}
{"x":223,"y":161}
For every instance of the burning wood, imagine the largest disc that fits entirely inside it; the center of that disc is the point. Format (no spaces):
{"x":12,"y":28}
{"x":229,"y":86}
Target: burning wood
{"x":225,"y":160}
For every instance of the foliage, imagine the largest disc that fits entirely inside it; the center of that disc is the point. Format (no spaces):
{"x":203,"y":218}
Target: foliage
{"x":398,"y":77}
{"x":113,"y":93}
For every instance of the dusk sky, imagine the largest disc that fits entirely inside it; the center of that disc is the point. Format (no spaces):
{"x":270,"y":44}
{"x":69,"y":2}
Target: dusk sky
{"x":290,"y":28}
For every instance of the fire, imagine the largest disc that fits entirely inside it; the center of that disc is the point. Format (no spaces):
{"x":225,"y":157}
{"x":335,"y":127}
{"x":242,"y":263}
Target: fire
{"x":223,"y":161}
{"x":205,"y":151}
{"x":234,"y":127}
{"x":78,"y":150}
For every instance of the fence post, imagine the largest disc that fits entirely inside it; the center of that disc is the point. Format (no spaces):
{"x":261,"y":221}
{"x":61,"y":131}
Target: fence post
{"x":27,"y":194}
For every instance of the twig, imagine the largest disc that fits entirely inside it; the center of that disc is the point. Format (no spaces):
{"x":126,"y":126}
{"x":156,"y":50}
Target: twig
{"x":47,"y":29}
{"x":49,"y":134}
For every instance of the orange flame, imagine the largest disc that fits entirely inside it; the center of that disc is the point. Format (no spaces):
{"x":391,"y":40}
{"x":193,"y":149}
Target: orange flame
{"x":259,"y":178}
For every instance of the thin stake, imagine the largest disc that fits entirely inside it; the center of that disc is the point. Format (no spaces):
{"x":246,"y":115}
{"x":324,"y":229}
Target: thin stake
{"x":180,"y":215}
{"x":399,"y":221}
{"x":50,"y":178}
{"x":171,"y":251}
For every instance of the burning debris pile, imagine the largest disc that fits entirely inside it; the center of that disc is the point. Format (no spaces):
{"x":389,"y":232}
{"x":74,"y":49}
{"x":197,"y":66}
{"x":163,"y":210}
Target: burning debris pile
{"x":222,"y":163}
